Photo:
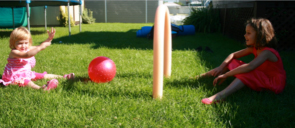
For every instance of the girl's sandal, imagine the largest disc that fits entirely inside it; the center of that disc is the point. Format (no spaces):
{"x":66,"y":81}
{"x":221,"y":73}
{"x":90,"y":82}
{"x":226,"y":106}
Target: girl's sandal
{"x":69,"y":76}
{"x":208,"y":101}
{"x":52,"y":84}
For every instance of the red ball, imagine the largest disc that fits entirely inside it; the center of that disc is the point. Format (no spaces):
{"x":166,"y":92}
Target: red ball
{"x":101,"y":69}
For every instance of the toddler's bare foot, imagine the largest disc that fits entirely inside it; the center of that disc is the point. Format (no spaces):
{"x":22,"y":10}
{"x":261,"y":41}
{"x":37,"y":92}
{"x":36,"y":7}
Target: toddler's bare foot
{"x":70,"y":76}
{"x":52,"y":84}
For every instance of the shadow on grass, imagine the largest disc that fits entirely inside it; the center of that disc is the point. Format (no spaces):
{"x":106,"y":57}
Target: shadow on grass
{"x":69,"y":84}
{"x":6,"y":33}
{"x":88,"y":87}
{"x":254,"y":109}
{"x":1,"y":85}
{"x":190,"y":82}
{"x":134,"y":75}
{"x":250,"y":107}
{"x":120,"y":40}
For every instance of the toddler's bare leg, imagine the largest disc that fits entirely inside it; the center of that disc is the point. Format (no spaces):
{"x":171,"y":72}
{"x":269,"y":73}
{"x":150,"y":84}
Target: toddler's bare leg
{"x":233,"y":87}
{"x":52,"y":76}
{"x":33,"y":85}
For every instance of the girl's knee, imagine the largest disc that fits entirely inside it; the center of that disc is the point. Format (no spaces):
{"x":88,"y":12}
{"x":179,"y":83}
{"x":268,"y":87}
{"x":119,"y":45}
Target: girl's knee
{"x":40,"y":75}
{"x":24,"y":83}
{"x":234,"y":63}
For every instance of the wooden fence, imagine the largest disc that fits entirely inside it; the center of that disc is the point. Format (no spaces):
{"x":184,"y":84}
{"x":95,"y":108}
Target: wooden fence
{"x":280,"y":13}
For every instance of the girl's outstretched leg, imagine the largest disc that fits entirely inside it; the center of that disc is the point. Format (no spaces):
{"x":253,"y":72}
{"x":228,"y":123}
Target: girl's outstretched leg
{"x":203,"y":75}
{"x":52,"y":84}
{"x":33,"y":85}
{"x":233,"y":87}
{"x":211,"y":73}
{"x":52,"y":76}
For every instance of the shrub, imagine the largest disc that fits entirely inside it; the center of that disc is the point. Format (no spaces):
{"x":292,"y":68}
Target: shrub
{"x":87,"y":17}
{"x":63,"y":18}
{"x":204,"y":20}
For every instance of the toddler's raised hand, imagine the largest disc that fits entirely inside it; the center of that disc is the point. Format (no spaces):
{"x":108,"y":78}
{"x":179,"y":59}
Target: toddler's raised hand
{"x":47,"y":42}
{"x":51,"y":34}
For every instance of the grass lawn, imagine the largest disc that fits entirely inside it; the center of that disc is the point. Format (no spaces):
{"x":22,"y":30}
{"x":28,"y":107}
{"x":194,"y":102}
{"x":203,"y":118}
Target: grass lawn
{"x":127,"y":100}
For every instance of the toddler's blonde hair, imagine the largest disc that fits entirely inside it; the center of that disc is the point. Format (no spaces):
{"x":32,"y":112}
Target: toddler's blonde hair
{"x":20,"y":33}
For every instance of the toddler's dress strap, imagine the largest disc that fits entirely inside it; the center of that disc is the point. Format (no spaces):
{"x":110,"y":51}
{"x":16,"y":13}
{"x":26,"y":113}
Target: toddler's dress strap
{"x":32,"y":61}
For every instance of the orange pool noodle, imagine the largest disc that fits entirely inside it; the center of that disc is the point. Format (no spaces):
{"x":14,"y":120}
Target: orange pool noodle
{"x":162,"y":41}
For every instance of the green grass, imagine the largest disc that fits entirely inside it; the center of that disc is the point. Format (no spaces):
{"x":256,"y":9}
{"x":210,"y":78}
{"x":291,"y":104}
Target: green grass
{"x":127,"y":100}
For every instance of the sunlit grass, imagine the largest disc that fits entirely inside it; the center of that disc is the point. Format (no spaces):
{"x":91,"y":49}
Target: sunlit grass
{"x":127,"y":100}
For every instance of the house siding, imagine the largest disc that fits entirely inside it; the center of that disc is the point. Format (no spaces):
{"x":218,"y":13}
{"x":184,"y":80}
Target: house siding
{"x":124,"y":11}
{"x":37,"y":17}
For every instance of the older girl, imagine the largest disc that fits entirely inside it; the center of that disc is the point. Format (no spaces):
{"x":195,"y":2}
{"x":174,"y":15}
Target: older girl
{"x":265,"y":71}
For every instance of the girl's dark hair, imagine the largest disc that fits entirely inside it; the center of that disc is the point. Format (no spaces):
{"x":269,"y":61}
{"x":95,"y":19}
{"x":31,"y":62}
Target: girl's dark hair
{"x":265,"y":34}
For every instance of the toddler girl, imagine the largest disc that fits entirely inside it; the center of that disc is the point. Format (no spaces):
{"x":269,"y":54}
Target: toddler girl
{"x":21,"y":59}
{"x":265,"y":71}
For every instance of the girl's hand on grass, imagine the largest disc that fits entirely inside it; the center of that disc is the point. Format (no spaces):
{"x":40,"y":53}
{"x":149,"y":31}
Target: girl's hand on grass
{"x":220,"y":78}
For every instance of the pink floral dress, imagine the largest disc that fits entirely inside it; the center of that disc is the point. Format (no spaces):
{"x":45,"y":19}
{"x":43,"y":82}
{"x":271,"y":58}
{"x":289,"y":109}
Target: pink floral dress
{"x":17,"y":70}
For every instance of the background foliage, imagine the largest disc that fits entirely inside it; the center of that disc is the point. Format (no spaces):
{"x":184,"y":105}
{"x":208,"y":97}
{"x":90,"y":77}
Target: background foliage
{"x":204,"y":19}
{"x":87,"y":17}
{"x":63,"y":18}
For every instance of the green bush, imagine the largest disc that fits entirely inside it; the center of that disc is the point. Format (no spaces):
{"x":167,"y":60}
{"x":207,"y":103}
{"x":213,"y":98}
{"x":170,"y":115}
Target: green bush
{"x":87,"y":17}
{"x":204,"y":19}
{"x":63,"y":18}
